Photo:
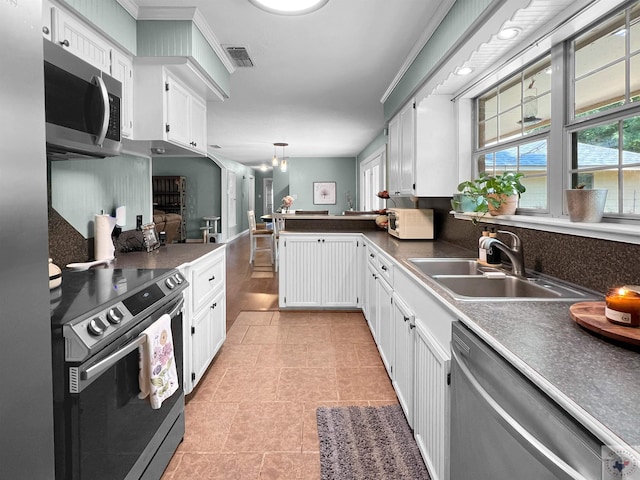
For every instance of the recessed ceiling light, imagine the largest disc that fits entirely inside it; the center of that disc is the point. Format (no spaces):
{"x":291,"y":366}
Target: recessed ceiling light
{"x":463,"y":71}
{"x":289,"y":7}
{"x":508,"y":33}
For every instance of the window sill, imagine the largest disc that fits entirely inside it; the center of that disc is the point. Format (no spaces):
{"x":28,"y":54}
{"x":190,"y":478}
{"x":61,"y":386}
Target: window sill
{"x":617,"y":232}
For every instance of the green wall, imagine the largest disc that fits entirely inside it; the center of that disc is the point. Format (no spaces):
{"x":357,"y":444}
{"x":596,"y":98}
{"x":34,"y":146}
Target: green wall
{"x":303,"y":172}
{"x":203,"y":188}
{"x":460,"y":19}
{"x":82,"y":188}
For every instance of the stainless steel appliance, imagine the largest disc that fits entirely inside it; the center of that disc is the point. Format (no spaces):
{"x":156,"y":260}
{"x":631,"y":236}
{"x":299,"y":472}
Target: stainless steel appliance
{"x":82,"y":107}
{"x":103,"y":431}
{"x":503,"y":427}
{"x":410,"y":223}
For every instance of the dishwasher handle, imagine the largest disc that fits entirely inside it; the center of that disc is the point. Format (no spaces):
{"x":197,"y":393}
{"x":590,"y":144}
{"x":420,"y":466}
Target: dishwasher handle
{"x":554,"y":463}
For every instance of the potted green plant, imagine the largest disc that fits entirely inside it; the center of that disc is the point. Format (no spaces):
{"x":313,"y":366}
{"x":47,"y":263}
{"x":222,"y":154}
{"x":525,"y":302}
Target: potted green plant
{"x":496,"y":194}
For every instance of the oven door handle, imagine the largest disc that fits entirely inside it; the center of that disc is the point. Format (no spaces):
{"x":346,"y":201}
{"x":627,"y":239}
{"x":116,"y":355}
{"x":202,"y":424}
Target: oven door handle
{"x":96,"y":369}
{"x":107,"y":362}
{"x":554,"y":463}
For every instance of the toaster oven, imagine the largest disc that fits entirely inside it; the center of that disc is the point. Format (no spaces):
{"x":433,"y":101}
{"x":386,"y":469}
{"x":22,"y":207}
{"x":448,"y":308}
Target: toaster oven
{"x":410,"y":223}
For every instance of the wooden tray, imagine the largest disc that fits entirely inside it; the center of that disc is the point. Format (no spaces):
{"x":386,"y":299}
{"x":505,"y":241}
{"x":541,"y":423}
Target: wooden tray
{"x":591,"y":316}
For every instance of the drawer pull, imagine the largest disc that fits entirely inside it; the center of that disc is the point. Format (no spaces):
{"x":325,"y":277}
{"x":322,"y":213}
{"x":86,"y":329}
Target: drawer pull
{"x":212,"y":278}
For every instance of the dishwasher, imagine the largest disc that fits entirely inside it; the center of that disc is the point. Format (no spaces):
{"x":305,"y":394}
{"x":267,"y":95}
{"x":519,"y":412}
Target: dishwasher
{"x":503,"y":427}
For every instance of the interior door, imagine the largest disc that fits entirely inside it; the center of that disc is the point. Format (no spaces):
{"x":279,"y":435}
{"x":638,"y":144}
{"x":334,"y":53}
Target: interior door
{"x":267,"y":192}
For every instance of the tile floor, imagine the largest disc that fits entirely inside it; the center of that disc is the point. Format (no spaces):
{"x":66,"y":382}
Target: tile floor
{"x":253,"y":414}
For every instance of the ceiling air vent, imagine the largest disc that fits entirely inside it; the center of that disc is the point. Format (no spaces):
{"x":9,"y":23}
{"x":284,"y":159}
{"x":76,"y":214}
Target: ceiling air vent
{"x":240,"y":56}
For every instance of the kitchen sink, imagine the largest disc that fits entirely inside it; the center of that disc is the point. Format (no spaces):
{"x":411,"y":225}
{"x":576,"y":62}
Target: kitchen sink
{"x":480,"y":287}
{"x":446,"y":266}
{"x":467,"y":279}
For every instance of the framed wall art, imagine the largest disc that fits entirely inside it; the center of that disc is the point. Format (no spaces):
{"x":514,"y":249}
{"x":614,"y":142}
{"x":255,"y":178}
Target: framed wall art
{"x":324,"y":193}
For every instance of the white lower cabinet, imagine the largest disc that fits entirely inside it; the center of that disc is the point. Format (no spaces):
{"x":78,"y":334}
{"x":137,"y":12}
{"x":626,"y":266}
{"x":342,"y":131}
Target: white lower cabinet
{"x":412,"y":330}
{"x":386,"y":342}
{"x":431,"y":409}
{"x":319,"y":271}
{"x":403,"y":365}
{"x":371,"y":285}
{"x":205,"y":319}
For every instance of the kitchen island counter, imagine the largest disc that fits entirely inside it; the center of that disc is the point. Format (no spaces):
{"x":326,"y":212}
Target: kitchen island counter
{"x":167,"y":256}
{"x":595,"y":380}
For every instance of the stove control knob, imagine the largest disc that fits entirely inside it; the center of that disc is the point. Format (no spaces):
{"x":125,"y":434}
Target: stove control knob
{"x":178,"y":278}
{"x":169,"y":283}
{"x":96,"y":327}
{"x":114,"y":315}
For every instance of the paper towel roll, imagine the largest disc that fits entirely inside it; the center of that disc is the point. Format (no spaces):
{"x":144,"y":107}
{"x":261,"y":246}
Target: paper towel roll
{"x":121,"y":216}
{"x":103,"y":245}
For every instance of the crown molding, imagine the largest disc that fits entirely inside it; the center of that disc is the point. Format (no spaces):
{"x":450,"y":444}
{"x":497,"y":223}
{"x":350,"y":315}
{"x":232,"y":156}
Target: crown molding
{"x":130,"y":7}
{"x":436,"y":19}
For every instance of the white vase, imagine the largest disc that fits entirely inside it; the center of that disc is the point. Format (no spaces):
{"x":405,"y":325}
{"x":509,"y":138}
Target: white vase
{"x":585,"y":205}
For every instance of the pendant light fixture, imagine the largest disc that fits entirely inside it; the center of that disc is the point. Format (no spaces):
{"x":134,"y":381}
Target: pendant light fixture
{"x":283,"y":161}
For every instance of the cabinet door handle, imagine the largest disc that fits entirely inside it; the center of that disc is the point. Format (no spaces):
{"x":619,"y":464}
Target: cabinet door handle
{"x":45,"y":30}
{"x":383,"y":268}
{"x":412,"y":326}
{"x":212,"y":278}
{"x":65,"y":43}
{"x":372,"y":255}
{"x":406,"y":319}
{"x":214,"y":306}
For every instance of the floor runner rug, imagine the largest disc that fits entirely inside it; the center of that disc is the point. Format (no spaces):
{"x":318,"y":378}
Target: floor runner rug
{"x":367,"y":443}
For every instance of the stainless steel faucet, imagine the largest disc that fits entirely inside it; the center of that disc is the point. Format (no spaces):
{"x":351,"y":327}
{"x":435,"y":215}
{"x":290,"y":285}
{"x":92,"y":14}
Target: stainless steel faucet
{"x":515,"y":253}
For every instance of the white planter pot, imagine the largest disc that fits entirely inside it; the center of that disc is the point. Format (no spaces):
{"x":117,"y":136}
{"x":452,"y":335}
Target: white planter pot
{"x":585,"y":205}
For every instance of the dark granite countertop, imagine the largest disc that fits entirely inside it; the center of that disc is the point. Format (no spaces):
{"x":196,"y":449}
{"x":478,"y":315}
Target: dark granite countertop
{"x":595,"y":380}
{"x":167,"y":256}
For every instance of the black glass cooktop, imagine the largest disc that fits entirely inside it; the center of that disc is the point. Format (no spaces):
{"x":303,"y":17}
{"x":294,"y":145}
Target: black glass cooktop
{"x":82,"y":292}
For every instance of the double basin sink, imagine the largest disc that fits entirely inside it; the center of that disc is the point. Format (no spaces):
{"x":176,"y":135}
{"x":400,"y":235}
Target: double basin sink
{"x":467,"y":279}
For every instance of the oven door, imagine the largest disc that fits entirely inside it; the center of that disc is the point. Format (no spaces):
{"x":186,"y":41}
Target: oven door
{"x":109,"y":432}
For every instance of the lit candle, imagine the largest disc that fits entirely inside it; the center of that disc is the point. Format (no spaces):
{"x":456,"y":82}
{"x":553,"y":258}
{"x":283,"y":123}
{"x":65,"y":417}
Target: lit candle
{"x":623,"y":305}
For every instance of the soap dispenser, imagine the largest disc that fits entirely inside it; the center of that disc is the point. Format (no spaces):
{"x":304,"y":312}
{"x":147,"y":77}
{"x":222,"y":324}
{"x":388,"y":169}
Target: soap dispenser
{"x":482,"y":251}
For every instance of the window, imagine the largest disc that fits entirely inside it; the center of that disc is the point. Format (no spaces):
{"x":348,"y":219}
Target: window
{"x":605,"y":131}
{"x":594,"y":136}
{"x":607,"y":64}
{"x":514,"y":119}
{"x":372,"y":176}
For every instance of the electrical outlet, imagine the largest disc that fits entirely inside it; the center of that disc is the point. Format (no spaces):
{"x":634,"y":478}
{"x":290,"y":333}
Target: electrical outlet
{"x":138,"y":222}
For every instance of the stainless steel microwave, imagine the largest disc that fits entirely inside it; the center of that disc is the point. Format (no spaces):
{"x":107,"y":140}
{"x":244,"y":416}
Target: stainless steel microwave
{"x":82,"y":107}
{"x":410,"y":223}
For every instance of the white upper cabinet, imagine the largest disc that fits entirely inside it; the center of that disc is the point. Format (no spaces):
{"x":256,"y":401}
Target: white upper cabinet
{"x":122,"y":70}
{"x":166,"y":109}
{"x":80,"y":40}
{"x":402,"y":151}
{"x":436,"y":173}
{"x":46,"y":19}
{"x":422,"y":149}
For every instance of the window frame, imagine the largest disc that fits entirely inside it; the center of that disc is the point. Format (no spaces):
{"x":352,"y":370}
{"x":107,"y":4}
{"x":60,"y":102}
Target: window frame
{"x":563,"y":124}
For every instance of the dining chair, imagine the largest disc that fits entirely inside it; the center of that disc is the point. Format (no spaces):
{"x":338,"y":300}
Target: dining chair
{"x":260,"y":233}
{"x":278,"y":226}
